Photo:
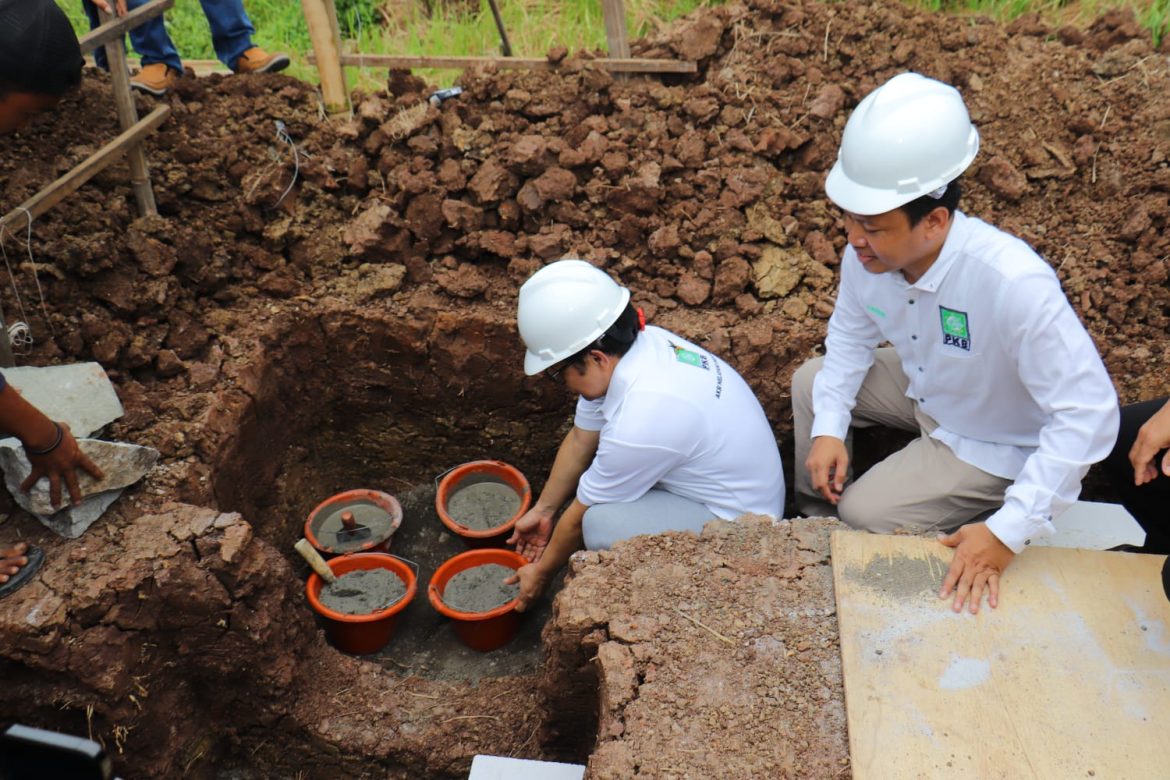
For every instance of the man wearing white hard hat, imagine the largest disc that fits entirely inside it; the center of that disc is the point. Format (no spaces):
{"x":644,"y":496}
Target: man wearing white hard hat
{"x":989,"y":364}
{"x":666,"y":435}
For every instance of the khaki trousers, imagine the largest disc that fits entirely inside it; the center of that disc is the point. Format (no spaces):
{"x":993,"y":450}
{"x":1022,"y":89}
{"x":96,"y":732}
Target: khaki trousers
{"x":922,"y":487}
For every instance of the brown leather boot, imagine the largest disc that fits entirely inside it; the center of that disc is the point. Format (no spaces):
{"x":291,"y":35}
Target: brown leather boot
{"x":155,"y":79}
{"x":256,"y":60}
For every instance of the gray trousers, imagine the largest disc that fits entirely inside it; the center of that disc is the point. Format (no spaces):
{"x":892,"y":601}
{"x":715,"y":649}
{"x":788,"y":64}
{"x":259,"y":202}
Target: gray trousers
{"x":922,"y":487}
{"x":606,"y":524}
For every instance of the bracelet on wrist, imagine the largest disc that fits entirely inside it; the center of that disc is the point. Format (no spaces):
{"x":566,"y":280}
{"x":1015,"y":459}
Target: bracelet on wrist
{"x":56,"y":443}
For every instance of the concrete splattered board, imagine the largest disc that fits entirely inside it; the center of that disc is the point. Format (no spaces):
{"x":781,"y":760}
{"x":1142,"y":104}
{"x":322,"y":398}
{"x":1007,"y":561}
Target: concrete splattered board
{"x":1069,"y":677}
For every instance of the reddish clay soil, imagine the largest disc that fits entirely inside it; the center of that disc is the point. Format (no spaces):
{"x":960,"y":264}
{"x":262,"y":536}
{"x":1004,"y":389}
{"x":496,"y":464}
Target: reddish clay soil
{"x":295,"y":325}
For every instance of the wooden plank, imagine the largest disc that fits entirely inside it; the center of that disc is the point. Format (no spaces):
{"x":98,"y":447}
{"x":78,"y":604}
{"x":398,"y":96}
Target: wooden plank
{"x":321,"y":18}
{"x":1068,"y":677}
{"x":116,"y":29}
{"x":616,"y":35}
{"x":127,"y":118}
{"x":402,"y":62}
{"x":97,"y":162}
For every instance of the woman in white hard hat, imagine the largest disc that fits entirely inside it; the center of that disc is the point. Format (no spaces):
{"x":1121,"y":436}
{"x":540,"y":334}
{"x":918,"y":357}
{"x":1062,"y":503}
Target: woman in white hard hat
{"x":989,"y":363}
{"x":666,"y":436}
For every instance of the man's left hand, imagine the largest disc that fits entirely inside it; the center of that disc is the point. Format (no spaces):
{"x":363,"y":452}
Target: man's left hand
{"x":980,"y":559}
{"x":533,"y":580}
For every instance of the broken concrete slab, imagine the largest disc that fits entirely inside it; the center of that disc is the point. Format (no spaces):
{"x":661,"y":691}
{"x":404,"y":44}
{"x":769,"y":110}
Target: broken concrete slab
{"x":1093,"y":525}
{"x":122,"y":464}
{"x":79,"y":394}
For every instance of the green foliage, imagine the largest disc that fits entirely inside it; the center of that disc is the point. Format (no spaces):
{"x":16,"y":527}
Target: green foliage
{"x":533,"y":26}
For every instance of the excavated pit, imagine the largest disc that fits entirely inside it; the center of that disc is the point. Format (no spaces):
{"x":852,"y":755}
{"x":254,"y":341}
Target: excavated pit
{"x":361,"y":331}
{"x":371,"y":411}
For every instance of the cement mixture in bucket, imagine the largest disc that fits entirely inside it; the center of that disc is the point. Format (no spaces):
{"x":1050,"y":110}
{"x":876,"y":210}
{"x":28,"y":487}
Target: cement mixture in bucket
{"x":483,"y":505}
{"x":365,"y":512}
{"x":480,"y":588}
{"x":363,"y":592}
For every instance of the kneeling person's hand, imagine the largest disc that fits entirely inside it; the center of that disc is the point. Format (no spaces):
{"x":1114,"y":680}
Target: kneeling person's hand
{"x":533,"y":581}
{"x":980,"y":559}
{"x":532,"y":532}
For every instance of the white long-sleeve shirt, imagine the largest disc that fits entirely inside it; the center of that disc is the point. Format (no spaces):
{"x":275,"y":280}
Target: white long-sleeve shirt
{"x":995,"y":354}
{"x":677,"y":417}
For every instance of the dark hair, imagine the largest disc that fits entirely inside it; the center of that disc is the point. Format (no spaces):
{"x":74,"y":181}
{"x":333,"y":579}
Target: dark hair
{"x":617,"y":339}
{"x":39,"y":52}
{"x":924,"y":204}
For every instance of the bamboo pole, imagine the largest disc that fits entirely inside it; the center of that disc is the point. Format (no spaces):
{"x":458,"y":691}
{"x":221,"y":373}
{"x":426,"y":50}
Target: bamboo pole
{"x":505,"y":45}
{"x":117,"y":28}
{"x":127,"y":118}
{"x":402,"y":62}
{"x":321,"y":18}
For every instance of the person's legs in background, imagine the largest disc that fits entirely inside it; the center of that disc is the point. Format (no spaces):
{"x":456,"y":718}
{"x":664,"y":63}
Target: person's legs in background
{"x":159,"y":58}
{"x":1149,"y":503}
{"x":231,"y":35}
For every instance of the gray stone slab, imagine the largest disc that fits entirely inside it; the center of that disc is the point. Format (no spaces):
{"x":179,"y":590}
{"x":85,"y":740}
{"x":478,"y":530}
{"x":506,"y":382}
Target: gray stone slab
{"x":122,"y":464}
{"x":79,"y":394}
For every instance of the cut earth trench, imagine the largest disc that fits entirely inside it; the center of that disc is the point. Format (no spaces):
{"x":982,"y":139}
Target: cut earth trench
{"x":362,"y":335}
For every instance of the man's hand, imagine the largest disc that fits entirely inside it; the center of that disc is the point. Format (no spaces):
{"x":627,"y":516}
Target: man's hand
{"x":119,"y":8}
{"x":61,"y":463}
{"x":1152,"y":438}
{"x":980,"y":559}
{"x":531,"y":533}
{"x":533,"y":580}
{"x":828,"y":462}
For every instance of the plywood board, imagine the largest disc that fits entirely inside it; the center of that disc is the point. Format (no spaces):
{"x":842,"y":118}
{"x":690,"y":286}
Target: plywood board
{"x":1068,"y":678}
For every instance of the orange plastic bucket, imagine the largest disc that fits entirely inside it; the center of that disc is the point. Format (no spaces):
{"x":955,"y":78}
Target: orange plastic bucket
{"x":361,"y":634}
{"x":478,"y":630}
{"x":481,"y":471}
{"x":377,"y":542}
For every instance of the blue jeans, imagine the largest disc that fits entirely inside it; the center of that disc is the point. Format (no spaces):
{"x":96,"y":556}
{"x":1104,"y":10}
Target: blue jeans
{"x":231,"y":34}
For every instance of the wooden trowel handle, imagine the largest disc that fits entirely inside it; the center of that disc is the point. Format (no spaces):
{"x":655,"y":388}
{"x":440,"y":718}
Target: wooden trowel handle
{"x":315,"y":560}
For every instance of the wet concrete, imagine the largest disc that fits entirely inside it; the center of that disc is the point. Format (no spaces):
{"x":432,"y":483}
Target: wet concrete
{"x":483,"y":504}
{"x":480,"y":588}
{"x":376,"y":520}
{"x":363,"y":592}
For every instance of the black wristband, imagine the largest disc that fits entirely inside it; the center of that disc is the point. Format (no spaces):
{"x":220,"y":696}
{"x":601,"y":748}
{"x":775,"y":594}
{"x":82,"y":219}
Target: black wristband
{"x":56,"y":443}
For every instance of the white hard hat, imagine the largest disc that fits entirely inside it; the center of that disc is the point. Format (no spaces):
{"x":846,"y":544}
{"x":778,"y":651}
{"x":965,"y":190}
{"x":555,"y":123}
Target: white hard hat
{"x":909,"y":137}
{"x":564,"y":307}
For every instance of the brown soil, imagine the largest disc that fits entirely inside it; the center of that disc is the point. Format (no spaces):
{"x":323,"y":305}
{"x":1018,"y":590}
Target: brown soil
{"x":282,"y":338}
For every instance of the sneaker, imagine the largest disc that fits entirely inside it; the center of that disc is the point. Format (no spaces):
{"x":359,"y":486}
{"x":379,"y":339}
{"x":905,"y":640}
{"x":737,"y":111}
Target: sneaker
{"x":155,"y":79}
{"x":256,"y":60}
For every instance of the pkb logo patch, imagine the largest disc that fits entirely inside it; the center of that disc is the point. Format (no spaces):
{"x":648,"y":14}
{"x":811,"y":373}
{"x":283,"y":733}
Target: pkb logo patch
{"x":956,"y":333}
{"x":690,"y":357}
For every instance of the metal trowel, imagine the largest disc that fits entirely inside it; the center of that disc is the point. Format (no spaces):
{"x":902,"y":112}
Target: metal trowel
{"x":351,"y":530}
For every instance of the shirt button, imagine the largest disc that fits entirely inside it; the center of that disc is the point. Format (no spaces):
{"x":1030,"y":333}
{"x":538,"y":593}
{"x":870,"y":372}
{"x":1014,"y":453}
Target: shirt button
{"x":921,"y":400}
{"x":920,"y":368}
{"x":911,"y":301}
{"x":1027,"y":542}
{"x":914,"y":338}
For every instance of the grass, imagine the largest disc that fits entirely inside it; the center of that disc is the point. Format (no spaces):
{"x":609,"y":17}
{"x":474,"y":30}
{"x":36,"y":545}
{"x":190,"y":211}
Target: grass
{"x":466,"y":27}
{"x":1153,"y":15}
